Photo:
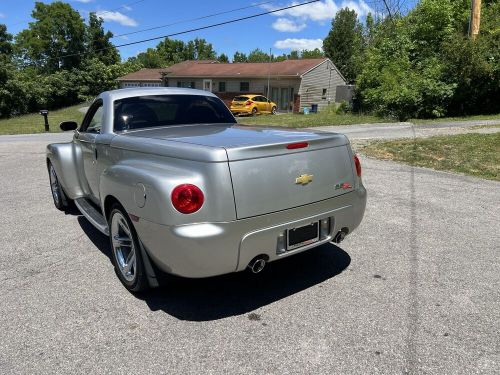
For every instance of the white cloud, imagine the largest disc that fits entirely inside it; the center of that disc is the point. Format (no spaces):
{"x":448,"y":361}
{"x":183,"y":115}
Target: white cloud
{"x":362,"y":9}
{"x":118,"y":17}
{"x":322,"y":10}
{"x":2,"y":15}
{"x":288,"y":25}
{"x":299,"y":44}
{"x":84,"y":1}
{"x":126,"y":7}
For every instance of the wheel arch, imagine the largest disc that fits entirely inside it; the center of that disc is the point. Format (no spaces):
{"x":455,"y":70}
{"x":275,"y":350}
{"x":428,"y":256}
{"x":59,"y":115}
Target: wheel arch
{"x":108,"y":202}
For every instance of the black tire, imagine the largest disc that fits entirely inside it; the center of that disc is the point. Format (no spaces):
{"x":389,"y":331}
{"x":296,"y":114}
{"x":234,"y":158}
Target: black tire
{"x":138,"y":282}
{"x":273,"y":110}
{"x":61,"y":201}
{"x":254,"y":111}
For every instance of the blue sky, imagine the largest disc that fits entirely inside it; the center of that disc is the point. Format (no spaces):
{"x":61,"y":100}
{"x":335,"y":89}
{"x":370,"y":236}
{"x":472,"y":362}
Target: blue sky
{"x":297,"y":28}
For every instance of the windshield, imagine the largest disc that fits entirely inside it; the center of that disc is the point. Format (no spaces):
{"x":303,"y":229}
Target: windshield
{"x":166,"y":110}
{"x":241,"y":99}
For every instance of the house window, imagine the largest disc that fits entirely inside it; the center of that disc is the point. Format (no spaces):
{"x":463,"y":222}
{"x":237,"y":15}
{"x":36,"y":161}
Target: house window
{"x":244,"y":86}
{"x":323,"y":95}
{"x":222,"y":86}
{"x":185,"y":84}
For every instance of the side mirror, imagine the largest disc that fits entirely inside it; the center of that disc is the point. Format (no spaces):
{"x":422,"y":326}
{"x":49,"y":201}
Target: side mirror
{"x":68,"y":125}
{"x":269,"y":101}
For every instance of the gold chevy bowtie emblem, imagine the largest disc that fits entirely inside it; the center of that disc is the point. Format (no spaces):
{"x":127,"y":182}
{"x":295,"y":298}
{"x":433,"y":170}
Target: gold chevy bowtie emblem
{"x":304,"y":179}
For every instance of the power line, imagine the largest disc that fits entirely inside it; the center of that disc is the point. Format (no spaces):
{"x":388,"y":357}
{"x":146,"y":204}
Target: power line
{"x":194,"y":29}
{"x":193,"y":19}
{"x":125,"y":6}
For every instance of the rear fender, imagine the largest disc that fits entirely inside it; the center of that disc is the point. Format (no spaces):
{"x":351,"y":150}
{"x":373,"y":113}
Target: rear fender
{"x":143,"y":187}
{"x":65,"y":158}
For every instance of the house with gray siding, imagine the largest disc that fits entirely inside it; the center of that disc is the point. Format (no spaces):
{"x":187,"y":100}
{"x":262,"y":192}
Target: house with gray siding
{"x":292,"y":84}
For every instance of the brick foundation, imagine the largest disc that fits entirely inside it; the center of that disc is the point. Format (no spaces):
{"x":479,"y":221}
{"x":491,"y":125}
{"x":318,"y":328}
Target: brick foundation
{"x":296,"y":103}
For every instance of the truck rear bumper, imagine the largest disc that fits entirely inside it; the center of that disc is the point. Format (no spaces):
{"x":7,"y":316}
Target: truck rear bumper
{"x":209,"y":249}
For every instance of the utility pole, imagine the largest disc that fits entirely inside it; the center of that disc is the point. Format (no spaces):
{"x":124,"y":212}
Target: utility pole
{"x":269,"y":74}
{"x":475,"y":18}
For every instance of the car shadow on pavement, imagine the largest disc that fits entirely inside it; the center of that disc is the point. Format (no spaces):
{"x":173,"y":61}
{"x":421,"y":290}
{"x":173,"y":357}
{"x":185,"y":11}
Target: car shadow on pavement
{"x":98,"y":239}
{"x":243,"y":292}
{"x":237,"y":293}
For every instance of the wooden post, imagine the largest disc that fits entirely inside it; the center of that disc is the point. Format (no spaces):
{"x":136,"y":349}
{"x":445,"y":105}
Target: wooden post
{"x":475,"y":18}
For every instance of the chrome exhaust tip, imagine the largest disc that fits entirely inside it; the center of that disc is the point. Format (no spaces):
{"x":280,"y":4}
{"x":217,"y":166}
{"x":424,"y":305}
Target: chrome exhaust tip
{"x":257,"y":265}
{"x":339,"y":237}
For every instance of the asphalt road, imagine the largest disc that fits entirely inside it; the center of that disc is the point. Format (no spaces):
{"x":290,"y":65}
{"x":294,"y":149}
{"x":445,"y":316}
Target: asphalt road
{"x":416,"y":289}
{"x":409,"y":130}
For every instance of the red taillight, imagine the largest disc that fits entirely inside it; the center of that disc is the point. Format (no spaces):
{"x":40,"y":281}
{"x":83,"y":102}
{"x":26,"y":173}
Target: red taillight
{"x":293,"y":146}
{"x":187,"y":198}
{"x":358,"y":165}
{"x":249,"y":102}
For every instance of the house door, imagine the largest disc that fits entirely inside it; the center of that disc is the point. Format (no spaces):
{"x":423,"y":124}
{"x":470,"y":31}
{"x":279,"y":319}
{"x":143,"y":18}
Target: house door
{"x":284,"y":99}
{"x":207,"y":85}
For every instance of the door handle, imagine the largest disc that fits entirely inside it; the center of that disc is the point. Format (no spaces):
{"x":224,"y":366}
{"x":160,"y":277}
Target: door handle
{"x":95,"y":153}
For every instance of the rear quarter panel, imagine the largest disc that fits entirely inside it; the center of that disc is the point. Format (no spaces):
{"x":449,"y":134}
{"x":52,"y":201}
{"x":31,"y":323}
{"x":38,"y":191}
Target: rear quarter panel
{"x":133,"y":174}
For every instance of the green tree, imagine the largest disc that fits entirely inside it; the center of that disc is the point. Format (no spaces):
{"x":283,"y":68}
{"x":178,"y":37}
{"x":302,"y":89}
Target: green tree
{"x":151,"y":58}
{"x":5,"y":41}
{"x":344,"y":43}
{"x":171,"y":51}
{"x":199,"y":49}
{"x":312,"y":54}
{"x":58,"y":31}
{"x":98,"y":43}
{"x":257,"y":55}
{"x":293,"y":55}
{"x":239,"y":57}
{"x":223,"y":58}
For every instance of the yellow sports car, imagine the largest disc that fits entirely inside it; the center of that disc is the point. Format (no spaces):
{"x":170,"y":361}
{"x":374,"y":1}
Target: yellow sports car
{"x":252,"y":104}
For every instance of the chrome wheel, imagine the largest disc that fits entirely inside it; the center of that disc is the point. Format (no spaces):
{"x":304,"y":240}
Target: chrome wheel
{"x":123,"y":246}
{"x":54,"y":185}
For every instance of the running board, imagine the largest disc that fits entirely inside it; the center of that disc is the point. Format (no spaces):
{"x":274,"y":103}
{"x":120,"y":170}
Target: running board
{"x":92,"y":215}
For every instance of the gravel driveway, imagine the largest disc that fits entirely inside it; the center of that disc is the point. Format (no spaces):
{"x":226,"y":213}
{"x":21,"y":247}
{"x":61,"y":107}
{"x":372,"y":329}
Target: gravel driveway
{"x":416,"y":289}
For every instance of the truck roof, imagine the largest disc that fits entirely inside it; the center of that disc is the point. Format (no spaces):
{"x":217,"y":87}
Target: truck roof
{"x":140,"y":91}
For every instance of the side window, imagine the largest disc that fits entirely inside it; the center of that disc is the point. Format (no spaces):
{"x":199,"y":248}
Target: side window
{"x":93,"y":121}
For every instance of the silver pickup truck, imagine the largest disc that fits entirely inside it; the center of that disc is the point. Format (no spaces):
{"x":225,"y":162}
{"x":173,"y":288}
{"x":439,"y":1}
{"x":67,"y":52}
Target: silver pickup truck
{"x":179,"y":187}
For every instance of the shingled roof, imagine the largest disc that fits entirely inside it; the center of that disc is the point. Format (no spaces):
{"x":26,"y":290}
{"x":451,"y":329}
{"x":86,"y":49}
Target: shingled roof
{"x":207,"y":68}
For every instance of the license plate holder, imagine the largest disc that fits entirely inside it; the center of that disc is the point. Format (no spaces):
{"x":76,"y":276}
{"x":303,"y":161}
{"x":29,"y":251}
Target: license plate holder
{"x":302,"y":236}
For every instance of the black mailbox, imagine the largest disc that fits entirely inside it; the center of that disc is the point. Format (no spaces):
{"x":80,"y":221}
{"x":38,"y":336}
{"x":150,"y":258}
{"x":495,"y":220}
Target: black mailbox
{"x":45,"y":113}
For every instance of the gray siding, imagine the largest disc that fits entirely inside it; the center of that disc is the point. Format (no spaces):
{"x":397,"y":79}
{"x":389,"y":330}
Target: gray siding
{"x":324,"y":77}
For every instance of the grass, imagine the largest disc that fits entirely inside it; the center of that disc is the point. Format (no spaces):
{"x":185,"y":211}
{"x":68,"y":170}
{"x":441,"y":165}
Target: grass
{"x":33,"y":123}
{"x":322,"y":118}
{"x":465,"y":118}
{"x":472,"y":154}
